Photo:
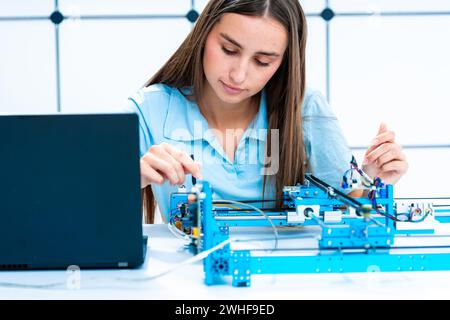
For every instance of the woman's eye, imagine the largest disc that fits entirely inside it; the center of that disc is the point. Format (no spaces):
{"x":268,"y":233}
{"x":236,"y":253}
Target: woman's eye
{"x":262,"y":64}
{"x":228,"y":52}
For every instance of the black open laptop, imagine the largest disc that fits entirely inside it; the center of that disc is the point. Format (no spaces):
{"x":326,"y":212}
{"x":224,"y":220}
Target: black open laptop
{"x":70,"y":192}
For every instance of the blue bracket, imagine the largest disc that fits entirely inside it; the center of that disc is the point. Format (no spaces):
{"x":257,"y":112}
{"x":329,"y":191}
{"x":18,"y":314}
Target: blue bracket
{"x":359,"y":234}
{"x":240,"y":263}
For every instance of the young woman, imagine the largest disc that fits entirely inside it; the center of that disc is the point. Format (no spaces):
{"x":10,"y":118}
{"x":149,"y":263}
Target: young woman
{"x":234,"y":98}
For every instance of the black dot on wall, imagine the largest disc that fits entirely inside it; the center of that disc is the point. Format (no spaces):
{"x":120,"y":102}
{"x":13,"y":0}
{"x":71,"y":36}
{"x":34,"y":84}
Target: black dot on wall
{"x":56,"y":17}
{"x":327,"y":14}
{"x":192,"y":16}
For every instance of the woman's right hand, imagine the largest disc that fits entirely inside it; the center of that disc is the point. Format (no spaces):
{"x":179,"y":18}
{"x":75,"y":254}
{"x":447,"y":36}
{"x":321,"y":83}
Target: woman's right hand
{"x":165,"y":162}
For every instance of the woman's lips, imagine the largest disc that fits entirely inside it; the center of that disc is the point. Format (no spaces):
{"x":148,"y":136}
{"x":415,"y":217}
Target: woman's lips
{"x":231,"y":90}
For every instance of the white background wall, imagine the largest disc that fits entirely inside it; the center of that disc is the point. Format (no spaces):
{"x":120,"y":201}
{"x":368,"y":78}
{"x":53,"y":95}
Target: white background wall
{"x":387,"y":60}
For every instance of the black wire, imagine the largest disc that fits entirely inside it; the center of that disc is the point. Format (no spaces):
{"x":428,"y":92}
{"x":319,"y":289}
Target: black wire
{"x":251,"y":201}
{"x":194,"y":180}
{"x":338,"y":194}
{"x":387,"y":215}
{"x":419,"y":220}
{"x":265,"y":209}
{"x":372,"y":197}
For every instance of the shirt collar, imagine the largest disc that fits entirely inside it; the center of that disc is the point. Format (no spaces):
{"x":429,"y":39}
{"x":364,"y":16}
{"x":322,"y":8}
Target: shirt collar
{"x":184,"y":122}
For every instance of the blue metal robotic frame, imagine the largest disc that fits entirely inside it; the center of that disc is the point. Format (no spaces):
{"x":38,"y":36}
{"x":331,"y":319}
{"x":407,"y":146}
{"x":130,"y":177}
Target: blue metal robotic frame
{"x":357,"y":234}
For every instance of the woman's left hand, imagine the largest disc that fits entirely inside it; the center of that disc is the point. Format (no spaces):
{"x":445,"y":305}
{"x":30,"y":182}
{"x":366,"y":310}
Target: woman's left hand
{"x":385,"y":158}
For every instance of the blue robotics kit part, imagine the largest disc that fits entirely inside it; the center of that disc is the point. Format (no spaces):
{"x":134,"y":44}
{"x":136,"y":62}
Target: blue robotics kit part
{"x":341,"y":233}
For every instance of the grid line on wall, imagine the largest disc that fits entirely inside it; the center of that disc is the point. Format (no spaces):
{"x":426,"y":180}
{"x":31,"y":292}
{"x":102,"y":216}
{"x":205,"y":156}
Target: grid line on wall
{"x":327,"y":15}
{"x":57,"y":59}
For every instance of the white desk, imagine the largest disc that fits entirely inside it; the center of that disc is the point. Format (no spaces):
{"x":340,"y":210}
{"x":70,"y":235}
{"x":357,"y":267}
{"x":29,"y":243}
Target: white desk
{"x":187,"y":283}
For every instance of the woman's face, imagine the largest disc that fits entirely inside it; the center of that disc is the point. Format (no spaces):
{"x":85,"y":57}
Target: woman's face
{"x":241,"y":54}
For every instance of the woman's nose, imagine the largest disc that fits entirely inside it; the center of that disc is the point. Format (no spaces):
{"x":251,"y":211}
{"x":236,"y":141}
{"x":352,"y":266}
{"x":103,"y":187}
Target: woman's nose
{"x":238,"y":72}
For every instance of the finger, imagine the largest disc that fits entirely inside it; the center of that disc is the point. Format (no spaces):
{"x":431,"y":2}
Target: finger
{"x":383,"y":128}
{"x":162,"y":166}
{"x":377,"y":152}
{"x":188,"y":171}
{"x":193,"y":167}
{"x":399,"y":166}
{"x":197,"y":175}
{"x":376,"y":142}
{"x":149,"y":175}
{"x":163,"y":154}
{"x":388,"y":136}
{"x":189,"y":165}
{"x":393,"y":154}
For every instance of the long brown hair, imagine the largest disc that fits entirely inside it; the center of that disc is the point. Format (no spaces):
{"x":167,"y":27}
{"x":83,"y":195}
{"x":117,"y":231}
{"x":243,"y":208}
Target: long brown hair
{"x":284,"y":92}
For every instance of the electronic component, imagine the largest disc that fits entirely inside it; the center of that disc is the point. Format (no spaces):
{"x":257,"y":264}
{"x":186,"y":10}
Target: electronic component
{"x":352,"y":234}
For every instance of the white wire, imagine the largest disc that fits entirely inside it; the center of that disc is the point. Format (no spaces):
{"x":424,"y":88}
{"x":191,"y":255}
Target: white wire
{"x":177,"y":233}
{"x":319,"y":222}
{"x":31,"y":286}
{"x":191,"y":260}
{"x":199,"y":257}
{"x":377,"y":222}
{"x":275,"y":231}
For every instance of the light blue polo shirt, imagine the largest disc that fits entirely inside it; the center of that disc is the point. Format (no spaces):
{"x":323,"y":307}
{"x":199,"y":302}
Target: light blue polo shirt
{"x":166,"y":115}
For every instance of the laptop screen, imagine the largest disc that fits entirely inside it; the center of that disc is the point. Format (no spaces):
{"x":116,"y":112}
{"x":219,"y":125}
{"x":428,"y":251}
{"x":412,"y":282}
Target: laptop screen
{"x":70,"y":191}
